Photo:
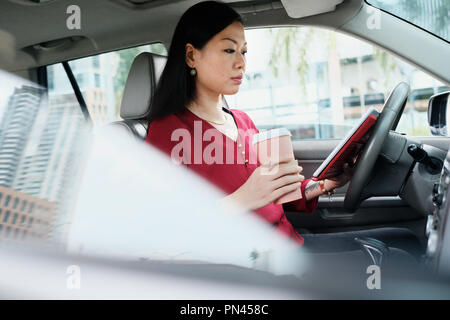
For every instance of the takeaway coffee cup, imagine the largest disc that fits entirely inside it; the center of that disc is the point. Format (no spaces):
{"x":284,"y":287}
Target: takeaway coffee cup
{"x":275,"y":146}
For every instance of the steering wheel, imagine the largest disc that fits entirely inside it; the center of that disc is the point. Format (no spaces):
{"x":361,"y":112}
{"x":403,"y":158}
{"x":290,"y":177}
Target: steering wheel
{"x":388,"y":120}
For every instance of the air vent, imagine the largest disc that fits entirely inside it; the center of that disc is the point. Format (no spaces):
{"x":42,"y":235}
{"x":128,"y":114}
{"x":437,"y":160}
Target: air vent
{"x":55,"y":44}
{"x":144,"y":4}
{"x":31,"y":2}
{"x":42,"y":49}
{"x":143,"y":1}
{"x":255,"y":6}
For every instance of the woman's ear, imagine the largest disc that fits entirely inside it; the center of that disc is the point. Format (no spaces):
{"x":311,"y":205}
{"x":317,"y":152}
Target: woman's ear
{"x":190,"y":55}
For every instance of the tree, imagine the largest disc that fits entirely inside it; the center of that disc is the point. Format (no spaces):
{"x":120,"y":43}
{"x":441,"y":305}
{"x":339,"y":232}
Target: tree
{"x":417,"y":12}
{"x":286,"y":41}
{"x":290,"y":51}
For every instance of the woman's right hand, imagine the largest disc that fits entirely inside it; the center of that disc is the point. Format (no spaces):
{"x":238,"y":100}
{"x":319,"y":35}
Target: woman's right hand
{"x":268,"y":183}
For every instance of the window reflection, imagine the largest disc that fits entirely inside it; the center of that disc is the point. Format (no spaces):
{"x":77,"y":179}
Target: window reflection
{"x":40,"y":144}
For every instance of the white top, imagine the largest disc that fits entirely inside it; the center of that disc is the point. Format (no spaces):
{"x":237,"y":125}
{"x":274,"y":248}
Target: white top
{"x":269,"y":134}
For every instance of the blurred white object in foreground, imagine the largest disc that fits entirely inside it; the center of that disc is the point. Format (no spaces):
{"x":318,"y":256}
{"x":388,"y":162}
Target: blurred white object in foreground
{"x":134,"y":203}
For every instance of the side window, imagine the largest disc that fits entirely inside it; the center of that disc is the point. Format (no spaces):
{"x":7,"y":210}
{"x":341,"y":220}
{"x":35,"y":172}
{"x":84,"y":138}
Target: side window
{"x":102,"y":78}
{"x":318,"y":83}
{"x":41,"y":136}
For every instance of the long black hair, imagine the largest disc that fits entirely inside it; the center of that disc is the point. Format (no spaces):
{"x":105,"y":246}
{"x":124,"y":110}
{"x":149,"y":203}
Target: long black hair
{"x":176,"y":87}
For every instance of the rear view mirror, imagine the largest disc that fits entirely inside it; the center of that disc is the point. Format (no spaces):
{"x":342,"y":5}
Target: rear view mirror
{"x":438,"y":117}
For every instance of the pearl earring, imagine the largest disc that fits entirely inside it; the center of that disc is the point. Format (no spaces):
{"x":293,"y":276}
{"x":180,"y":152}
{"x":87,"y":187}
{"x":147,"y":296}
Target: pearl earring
{"x":193,"y":72}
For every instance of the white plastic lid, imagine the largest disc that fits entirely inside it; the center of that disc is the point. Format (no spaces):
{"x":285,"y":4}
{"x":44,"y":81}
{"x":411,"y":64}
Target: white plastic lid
{"x":269,"y":134}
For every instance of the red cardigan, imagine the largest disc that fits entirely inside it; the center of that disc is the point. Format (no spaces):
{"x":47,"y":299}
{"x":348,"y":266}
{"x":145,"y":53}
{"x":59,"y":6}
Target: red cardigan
{"x":226,"y":175}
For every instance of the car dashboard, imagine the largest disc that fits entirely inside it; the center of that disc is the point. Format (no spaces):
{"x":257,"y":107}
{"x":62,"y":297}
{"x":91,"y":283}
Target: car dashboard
{"x":438,"y":248}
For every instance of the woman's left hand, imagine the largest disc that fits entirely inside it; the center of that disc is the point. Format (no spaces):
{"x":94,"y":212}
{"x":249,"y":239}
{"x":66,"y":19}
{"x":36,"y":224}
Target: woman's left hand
{"x":340,"y":180}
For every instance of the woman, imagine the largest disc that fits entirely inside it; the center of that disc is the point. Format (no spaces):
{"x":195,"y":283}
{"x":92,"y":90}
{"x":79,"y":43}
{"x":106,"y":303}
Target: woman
{"x":208,"y":51}
{"x":206,"y":61}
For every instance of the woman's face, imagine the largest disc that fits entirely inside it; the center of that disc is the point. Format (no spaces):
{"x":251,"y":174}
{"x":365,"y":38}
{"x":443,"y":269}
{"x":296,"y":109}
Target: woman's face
{"x":220,"y":60}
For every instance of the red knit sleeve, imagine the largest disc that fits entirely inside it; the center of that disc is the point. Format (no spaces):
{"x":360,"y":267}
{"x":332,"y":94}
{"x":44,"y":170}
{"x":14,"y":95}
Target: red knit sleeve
{"x":301,"y":204}
{"x":162,"y":135}
{"x":159,"y":135}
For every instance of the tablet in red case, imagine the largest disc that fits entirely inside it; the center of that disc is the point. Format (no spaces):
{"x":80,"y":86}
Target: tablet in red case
{"x":348,"y":150}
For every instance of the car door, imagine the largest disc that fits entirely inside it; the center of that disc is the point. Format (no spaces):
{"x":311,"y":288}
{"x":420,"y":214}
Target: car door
{"x":331,"y":216}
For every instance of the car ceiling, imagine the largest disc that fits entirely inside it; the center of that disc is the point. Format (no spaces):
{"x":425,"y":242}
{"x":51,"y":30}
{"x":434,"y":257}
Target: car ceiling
{"x":34,"y":34}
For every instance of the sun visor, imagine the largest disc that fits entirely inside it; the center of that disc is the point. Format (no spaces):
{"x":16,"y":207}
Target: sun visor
{"x":304,"y":8}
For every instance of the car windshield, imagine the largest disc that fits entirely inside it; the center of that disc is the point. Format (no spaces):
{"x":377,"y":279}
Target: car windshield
{"x":431,"y":15}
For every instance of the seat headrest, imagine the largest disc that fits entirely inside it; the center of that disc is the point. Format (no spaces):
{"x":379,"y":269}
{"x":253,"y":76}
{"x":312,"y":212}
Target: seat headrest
{"x":141,"y":84}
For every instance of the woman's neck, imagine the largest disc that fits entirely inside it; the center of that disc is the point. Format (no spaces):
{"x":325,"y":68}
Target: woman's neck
{"x":210,"y":109}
